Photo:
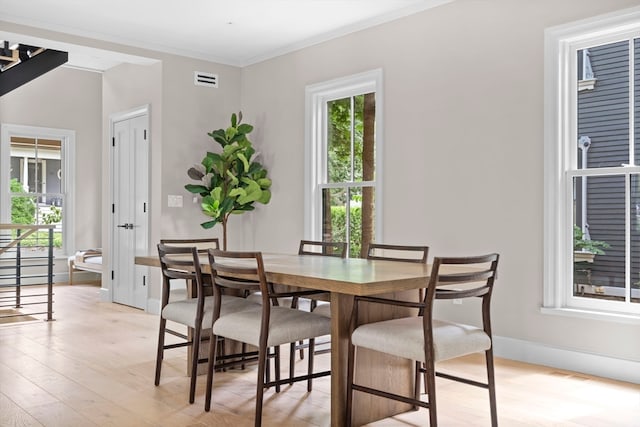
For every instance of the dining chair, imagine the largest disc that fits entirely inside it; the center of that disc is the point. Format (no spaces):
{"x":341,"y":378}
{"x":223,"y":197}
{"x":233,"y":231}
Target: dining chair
{"x":427,"y":340}
{"x":317,"y":248}
{"x":292,"y":298}
{"x":183,"y":263}
{"x":202,"y":245}
{"x":268,"y":327}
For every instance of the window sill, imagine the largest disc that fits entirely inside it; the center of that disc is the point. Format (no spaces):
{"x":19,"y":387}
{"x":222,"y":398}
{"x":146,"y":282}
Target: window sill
{"x":608,"y":316}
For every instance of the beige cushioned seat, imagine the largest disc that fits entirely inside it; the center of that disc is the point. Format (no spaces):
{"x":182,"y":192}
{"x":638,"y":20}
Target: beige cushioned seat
{"x":184,"y":311}
{"x":405,"y":338}
{"x":286,"y":325}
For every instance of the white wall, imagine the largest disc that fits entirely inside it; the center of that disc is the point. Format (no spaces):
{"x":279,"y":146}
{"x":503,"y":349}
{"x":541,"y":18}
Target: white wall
{"x":463,"y":156}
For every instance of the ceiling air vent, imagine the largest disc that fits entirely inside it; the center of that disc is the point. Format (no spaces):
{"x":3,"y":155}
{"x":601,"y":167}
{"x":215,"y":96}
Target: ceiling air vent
{"x":205,"y":79}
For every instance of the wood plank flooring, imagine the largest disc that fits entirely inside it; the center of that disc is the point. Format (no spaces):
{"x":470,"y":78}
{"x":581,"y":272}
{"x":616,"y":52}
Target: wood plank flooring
{"x":94,"y":366}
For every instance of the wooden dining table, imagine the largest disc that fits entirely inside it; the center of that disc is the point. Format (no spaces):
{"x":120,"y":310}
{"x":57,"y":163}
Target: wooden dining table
{"x":344,"y":279}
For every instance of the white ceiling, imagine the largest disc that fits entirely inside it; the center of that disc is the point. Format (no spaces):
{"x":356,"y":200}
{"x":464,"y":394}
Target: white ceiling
{"x":234,"y":32}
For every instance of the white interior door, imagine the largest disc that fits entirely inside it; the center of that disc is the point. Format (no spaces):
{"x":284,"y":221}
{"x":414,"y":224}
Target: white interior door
{"x":130,"y":175}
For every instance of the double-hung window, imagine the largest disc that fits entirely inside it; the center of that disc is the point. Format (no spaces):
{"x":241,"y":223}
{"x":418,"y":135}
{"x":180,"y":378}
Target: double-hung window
{"x":343,"y":146}
{"x":36,"y":168}
{"x":592,"y":166}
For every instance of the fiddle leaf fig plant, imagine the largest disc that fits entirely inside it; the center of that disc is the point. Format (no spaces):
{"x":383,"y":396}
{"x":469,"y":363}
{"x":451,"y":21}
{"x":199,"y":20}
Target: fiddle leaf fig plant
{"x":231,"y":181}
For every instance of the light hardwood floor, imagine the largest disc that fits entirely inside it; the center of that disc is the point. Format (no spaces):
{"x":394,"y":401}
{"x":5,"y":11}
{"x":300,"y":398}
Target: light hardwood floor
{"x":94,"y":366}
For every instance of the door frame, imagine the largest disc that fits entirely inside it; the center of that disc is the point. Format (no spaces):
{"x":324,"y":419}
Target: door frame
{"x":143,"y":110}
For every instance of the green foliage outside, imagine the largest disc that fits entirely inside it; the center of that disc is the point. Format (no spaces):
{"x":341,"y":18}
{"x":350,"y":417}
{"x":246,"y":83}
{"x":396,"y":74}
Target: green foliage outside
{"x":586,"y":245}
{"x":339,"y":137}
{"x":53,"y":217}
{"x":41,"y":239}
{"x":338,"y":228}
{"x":23,"y":208}
{"x":23,"y":211}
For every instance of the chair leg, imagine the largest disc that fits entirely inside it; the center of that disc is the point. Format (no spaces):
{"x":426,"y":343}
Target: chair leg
{"x":292,"y":361}
{"x":160,"y":354}
{"x":276,"y":365}
{"x":262,"y":363}
{"x":195,"y":355}
{"x":312,"y":344}
{"x":492,"y":387}
{"x":431,"y":392}
{"x":210,"y":370}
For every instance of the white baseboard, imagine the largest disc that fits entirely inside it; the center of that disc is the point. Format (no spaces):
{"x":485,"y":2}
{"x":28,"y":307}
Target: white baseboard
{"x":105,"y":295}
{"x":591,"y":364}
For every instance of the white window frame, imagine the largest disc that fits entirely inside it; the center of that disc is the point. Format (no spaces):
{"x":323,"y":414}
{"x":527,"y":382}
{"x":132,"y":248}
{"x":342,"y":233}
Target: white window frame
{"x":68,"y":138}
{"x":560,"y":160}
{"x":316,"y":98}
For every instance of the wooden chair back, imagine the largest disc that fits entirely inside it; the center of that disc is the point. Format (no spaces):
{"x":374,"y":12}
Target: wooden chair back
{"x":180,"y":262}
{"x":403,"y":253}
{"x":312,"y":247}
{"x":243,"y":271}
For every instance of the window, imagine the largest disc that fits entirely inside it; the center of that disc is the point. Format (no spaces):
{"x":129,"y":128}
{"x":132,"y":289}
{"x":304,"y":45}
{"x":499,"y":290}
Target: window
{"x":343,"y":146}
{"x":35,"y":187}
{"x":592,"y":166}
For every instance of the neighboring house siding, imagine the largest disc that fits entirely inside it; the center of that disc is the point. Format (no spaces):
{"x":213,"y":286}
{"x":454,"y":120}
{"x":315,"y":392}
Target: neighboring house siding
{"x":603,"y":116}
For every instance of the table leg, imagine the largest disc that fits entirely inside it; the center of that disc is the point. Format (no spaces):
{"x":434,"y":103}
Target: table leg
{"x":341,"y":306}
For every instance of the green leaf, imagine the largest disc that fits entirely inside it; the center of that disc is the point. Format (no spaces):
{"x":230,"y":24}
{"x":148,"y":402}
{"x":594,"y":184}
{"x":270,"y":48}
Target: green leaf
{"x":196,"y":189}
{"x":234,"y":120}
{"x":216,"y":193}
{"x":233,"y":180}
{"x":226,"y":206}
{"x":230,"y":132}
{"x":242,"y":209}
{"x":237,"y":192}
{"x":265,"y":197}
{"x":209,"y":224}
{"x":245,"y":128}
{"x":244,"y":160}
{"x":264,"y":182}
{"x":253,"y":193}
{"x":219,"y":136}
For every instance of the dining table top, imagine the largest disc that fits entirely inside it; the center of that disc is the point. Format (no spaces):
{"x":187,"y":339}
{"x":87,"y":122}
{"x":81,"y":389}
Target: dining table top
{"x":351,"y":276}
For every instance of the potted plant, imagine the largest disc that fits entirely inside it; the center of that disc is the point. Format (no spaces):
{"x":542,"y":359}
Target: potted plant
{"x":585,"y":250}
{"x":231,"y":181}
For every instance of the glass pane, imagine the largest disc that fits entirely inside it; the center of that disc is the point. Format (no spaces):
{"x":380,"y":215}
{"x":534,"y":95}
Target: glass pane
{"x":351,"y":139}
{"x":334,"y":219}
{"x":603,"y":110}
{"x":599,"y":237}
{"x":362,"y":220}
{"x":355,"y":222}
{"x":339,"y":114}
{"x":36,"y":167}
{"x":349,"y":216}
